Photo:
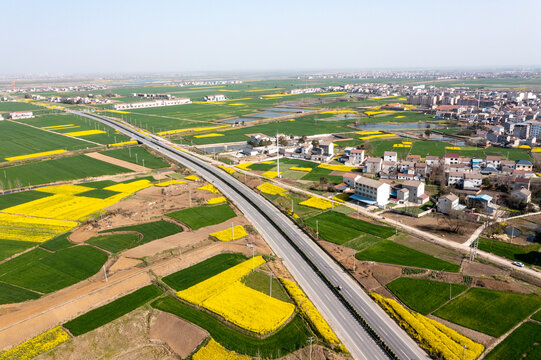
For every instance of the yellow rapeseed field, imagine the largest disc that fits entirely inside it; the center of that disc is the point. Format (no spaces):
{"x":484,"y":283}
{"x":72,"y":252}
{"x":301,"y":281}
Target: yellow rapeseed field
{"x":213,"y":286}
{"x":377,"y":136}
{"x":250,"y":309}
{"x":119,"y":112}
{"x":237,"y":232}
{"x":339,"y":112}
{"x":536,"y":150}
{"x":236,"y":104}
{"x":298,"y":168}
{"x":311,"y":312}
{"x":209,"y":135}
{"x":192,"y":178}
{"x":26,"y":228}
{"x":216,"y":200}
{"x":368,"y":132}
{"x":452,"y":148}
{"x":170,"y":132}
{"x":37,"y":345}
{"x":65,"y":205}
{"x":399,"y":116}
{"x":337,"y":167}
{"x":169,"y":182}
{"x":85,"y":133}
{"x":244,"y":166}
{"x":35,"y":155}
{"x":215,"y":351}
{"x":437,"y":339}
{"x":227,"y":169}
{"x":125,"y":143}
{"x":209,"y":187}
{"x":268,"y":162}
{"x":271,"y":189}
{"x":317,"y":203}
{"x":524,"y":147}
{"x":401,"y":145}
{"x":271,"y":174}
{"x":58,"y":126}
{"x":379,"y":112}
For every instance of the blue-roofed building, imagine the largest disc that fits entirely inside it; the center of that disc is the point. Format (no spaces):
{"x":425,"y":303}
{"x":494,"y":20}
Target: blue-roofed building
{"x":524,"y":165}
{"x":482,"y":202}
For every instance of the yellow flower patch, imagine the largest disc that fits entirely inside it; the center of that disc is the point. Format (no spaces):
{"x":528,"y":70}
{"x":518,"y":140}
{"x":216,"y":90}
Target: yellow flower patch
{"x":332,"y":93}
{"x":268,"y":162}
{"x":298,"y":168}
{"x":368,"y":132}
{"x":227,"y":169}
{"x":260,"y":90}
{"x":250,"y":309}
{"x":208,"y":135}
{"x":524,"y":147}
{"x":170,"y":132}
{"x":317,"y":203}
{"x":35,"y":155}
{"x":225,"y":295}
{"x":291,"y":120}
{"x":119,"y":112}
{"x":399,"y":116}
{"x":401,"y":146}
{"x":244,"y":166}
{"x":377,"y":136}
{"x":85,"y":133}
{"x":436,"y":338}
{"x":339,"y":112}
{"x":236,"y":104}
{"x":381,"y":97}
{"x":536,"y":150}
{"x":198,"y":293}
{"x":37,"y":345}
{"x":216,"y":200}
{"x":452,"y":148}
{"x":311,"y":312}
{"x":271,"y":174}
{"x":209,"y":187}
{"x":192,"y":178}
{"x":271,"y":189}
{"x":237,"y":232}
{"x":66,"y":205}
{"x":57,"y":127}
{"x":26,"y":228}
{"x":337,"y":167}
{"x":170,"y":182}
{"x":125,"y":143}
{"x":215,"y":351}
{"x":379,"y":112}
{"x":407,"y":142}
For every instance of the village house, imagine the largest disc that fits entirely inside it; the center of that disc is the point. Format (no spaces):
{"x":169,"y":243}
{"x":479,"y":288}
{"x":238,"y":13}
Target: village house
{"x":524,"y":165}
{"x":451,"y":159}
{"x":217,"y":97}
{"x":371,"y":192}
{"x":472,"y":181}
{"x":390,"y":156}
{"x":21,"y":115}
{"x":432,"y":160}
{"x":416,"y":191}
{"x":372,"y":165}
{"x":447,"y":203}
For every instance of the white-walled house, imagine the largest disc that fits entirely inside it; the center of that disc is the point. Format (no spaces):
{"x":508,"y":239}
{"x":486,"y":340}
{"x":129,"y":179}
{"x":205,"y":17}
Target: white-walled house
{"x":447,"y":203}
{"x":370,"y":191}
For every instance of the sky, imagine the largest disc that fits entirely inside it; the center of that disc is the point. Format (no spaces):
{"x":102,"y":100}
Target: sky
{"x":117,"y":36}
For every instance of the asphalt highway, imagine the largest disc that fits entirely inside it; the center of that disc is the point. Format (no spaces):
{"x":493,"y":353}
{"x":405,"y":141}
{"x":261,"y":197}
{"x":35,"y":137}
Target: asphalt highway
{"x":290,"y":243}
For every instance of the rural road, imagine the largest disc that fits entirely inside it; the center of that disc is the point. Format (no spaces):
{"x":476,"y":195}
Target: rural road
{"x":290,"y":243}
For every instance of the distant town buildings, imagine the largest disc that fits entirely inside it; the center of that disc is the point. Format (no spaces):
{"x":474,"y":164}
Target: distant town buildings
{"x":218,"y":97}
{"x":21,"y":115}
{"x":147,"y":104}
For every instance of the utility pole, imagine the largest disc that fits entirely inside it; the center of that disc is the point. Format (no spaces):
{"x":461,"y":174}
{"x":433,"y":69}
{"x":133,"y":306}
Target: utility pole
{"x":190,"y":195}
{"x":310,"y":341}
{"x":277,"y":156}
{"x":292,"y":210}
{"x":354,"y":260}
{"x":317,"y":229}
{"x":464,"y":352}
{"x":105,"y":273}
{"x":270,"y":286}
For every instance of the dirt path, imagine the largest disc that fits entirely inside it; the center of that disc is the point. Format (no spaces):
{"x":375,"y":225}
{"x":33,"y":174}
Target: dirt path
{"x":118,"y":162}
{"x":181,"y":240}
{"x":22,"y":321}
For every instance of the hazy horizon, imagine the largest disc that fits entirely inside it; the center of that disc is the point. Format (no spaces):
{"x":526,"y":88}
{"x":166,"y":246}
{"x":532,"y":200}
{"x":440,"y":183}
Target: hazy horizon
{"x":138,"y":37}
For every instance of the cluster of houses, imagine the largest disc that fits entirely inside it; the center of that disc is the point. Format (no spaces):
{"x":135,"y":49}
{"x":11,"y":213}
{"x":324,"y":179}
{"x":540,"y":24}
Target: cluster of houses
{"x":217,"y":97}
{"x":17,"y":115}
{"x":374,"y":192}
{"x":148,"y":104}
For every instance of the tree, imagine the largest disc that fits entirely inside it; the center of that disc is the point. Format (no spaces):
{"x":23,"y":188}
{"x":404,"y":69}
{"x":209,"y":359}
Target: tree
{"x":455,"y":222}
{"x":282,"y":141}
{"x":427,"y":131}
{"x":315,"y":143}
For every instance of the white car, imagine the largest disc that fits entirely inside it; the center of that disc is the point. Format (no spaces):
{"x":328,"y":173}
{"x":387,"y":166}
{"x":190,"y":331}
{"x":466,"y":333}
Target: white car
{"x":518,"y":263}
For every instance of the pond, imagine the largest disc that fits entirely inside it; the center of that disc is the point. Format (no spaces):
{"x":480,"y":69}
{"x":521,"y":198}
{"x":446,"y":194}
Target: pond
{"x":239,"y":120}
{"x":269,"y":114}
{"x":288,"y":109}
{"x":512,"y":231}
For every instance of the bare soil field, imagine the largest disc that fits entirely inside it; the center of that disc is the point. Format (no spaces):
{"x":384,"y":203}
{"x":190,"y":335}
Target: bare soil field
{"x":118,"y":162}
{"x":124,"y":338}
{"x":427,"y":247}
{"x":431,"y":224}
{"x":179,"y":335}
